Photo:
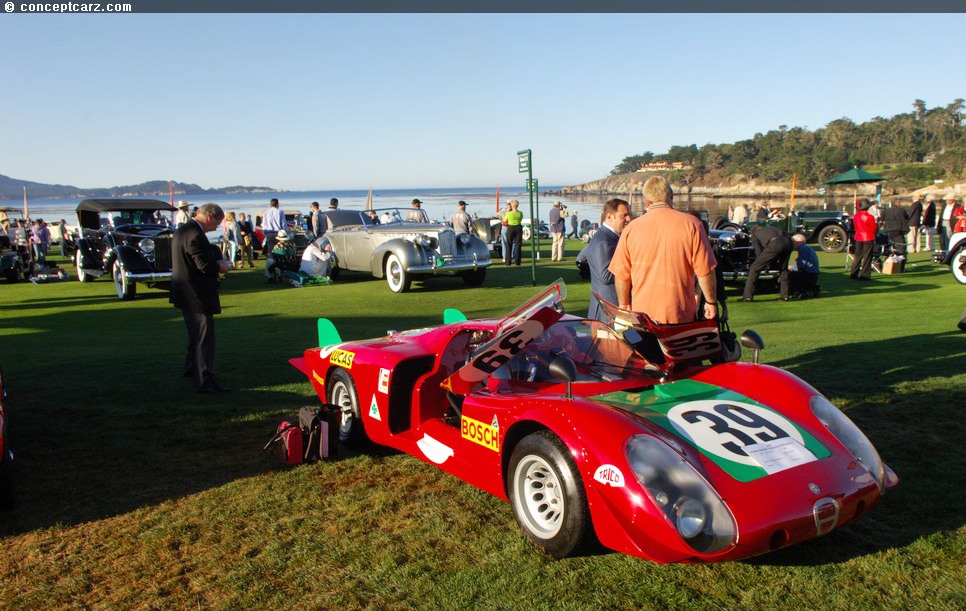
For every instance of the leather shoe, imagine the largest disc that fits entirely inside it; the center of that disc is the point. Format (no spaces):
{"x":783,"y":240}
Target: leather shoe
{"x":747,"y":298}
{"x":213,"y":386}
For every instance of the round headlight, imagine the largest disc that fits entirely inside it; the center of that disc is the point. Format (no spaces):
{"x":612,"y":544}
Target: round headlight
{"x":146,"y":245}
{"x":689,"y":517}
{"x":425,"y":241}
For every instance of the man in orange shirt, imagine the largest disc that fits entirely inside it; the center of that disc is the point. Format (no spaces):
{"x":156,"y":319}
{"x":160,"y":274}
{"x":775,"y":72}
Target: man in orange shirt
{"x":657,"y":258}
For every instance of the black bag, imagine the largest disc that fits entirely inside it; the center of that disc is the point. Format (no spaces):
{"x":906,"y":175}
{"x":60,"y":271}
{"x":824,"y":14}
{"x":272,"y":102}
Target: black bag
{"x":320,"y":429}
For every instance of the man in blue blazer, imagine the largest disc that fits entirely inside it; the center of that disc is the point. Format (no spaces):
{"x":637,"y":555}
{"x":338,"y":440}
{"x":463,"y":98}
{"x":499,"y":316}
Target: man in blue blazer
{"x":598,"y":253}
{"x":195,"y":267}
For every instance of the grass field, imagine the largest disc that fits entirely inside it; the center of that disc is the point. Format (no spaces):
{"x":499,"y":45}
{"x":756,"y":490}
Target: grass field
{"x":135,"y":492}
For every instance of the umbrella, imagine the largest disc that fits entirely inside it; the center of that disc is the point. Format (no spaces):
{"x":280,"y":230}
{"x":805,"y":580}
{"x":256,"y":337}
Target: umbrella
{"x":853,"y":177}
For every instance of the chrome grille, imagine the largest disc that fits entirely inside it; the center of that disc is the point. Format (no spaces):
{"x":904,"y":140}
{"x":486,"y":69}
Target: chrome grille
{"x":162,"y":254}
{"x":447,"y":243}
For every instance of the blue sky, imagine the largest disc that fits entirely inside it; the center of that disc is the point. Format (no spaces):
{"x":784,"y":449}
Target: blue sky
{"x":347,"y":101}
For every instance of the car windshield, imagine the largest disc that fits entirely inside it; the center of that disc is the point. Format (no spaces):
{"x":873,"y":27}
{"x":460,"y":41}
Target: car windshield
{"x":395,"y":215}
{"x":599,"y":353}
{"x":116,"y":218}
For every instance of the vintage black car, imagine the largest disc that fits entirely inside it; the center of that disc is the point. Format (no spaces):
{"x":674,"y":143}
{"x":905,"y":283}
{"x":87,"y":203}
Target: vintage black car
{"x":121,"y":237}
{"x":827,"y":228}
{"x":735,"y":254}
{"x":13,"y":262}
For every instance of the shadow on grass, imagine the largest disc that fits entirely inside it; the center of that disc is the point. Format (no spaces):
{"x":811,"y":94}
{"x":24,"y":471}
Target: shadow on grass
{"x":906,"y":406}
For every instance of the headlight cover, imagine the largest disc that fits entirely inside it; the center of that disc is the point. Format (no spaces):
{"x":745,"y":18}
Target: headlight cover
{"x":425,"y":241}
{"x":697,"y":512}
{"x":146,"y":245}
{"x":851,"y":437}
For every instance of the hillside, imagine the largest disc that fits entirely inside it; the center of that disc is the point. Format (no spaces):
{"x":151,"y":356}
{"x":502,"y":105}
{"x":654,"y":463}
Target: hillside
{"x":12,"y":189}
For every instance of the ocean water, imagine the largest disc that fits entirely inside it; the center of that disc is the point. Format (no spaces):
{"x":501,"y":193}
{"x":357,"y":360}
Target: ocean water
{"x":438,"y":203}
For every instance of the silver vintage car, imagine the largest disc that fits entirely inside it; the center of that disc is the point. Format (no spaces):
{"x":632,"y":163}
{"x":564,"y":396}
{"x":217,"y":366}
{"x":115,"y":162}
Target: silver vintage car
{"x":400,"y":245}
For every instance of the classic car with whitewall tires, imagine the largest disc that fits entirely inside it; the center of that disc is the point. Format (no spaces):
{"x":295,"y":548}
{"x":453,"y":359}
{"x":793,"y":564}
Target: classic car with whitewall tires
{"x":121,"y":237}
{"x":402,"y":246}
{"x":955,"y":256}
{"x":828,"y":228}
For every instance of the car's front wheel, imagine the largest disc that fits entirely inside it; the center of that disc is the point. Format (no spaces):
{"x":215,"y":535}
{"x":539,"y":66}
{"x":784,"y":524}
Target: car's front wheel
{"x":832,"y":238}
{"x":80,"y":270}
{"x":396,"y":276}
{"x":958,"y":265}
{"x":474,"y":277}
{"x":126,"y":288}
{"x":547,"y":495}
{"x":341,"y":392}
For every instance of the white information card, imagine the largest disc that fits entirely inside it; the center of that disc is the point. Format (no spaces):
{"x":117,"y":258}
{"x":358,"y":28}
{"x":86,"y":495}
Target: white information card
{"x":779,"y":454}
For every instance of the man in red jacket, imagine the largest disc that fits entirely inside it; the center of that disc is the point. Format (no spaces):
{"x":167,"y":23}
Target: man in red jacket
{"x":865,"y":228}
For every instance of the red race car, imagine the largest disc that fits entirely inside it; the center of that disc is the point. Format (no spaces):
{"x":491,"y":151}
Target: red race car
{"x":649,"y":438}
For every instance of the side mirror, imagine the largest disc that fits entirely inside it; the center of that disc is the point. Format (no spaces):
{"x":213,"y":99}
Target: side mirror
{"x":751,"y":340}
{"x":563,"y":368}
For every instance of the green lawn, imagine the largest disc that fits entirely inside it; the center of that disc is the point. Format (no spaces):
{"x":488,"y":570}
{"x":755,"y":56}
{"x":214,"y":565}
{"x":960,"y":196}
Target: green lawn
{"x":137,"y":493}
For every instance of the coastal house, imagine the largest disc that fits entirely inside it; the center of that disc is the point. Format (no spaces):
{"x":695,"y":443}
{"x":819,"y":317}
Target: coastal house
{"x":664,"y":166}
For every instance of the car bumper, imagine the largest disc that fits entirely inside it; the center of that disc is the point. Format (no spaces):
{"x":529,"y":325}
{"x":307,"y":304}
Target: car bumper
{"x":450,"y":267}
{"x":149,"y":277}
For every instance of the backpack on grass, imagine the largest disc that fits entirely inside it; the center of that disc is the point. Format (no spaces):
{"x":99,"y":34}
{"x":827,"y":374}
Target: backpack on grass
{"x":288,"y":444}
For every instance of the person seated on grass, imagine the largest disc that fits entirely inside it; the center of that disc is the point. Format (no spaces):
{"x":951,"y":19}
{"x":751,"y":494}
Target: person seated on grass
{"x":315,"y":267}
{"x":803,"y":274}
{"x":282,"y":258}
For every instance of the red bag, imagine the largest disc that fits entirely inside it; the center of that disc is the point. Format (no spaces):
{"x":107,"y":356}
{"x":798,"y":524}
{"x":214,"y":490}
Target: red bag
{"x":288,"y":444}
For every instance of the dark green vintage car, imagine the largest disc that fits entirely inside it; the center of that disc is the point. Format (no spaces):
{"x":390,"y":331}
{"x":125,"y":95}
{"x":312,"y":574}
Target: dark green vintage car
{"x":827,"y":228}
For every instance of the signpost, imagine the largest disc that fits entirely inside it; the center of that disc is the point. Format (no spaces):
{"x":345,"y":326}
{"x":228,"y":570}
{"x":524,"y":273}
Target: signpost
{"x":525,"y":166}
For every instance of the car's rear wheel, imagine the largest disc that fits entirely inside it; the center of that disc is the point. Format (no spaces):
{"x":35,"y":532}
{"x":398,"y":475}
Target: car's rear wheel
{"x":80,"y":270}
{"x":341,"y":392}
{"x":832,"y":238}
{"x":126,"y":289}
{"x":396,"y":276}
{"x":547,"y":495}
{"x":474,"y":277}
{"x":958,"y":265}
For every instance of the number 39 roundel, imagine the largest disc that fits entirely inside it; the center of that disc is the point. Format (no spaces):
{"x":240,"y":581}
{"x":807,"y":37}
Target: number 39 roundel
{"x":724,"y":428}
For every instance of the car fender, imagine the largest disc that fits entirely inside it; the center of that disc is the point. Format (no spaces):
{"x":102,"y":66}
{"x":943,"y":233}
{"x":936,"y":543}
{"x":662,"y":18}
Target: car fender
{"x":478,"y":247}
{"x":409,"y":254}
{"x":89,"y":255}
{"x":957,"y":241}
{"x":620,"y":510}
{"x":131,"y":259}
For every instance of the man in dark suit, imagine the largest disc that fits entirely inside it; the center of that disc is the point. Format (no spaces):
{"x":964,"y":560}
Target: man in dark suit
{"x":895,"y":222}
{"x":317,"y":224}
{"x":771,"y":244}
{"x":194,"y":290}
{"x":600,"y":250}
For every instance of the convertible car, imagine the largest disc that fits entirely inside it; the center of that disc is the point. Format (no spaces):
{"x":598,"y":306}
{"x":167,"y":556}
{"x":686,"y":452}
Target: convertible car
{"x":653,"y":439}
{"x":402,"y":246}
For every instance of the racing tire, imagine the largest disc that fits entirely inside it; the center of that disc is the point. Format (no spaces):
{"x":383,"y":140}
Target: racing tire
{"x":80,"y":271}
{"x":341,"y":392}
{"x":474,"y":277}
{"x":957,"y":264}
{"x":547,"y":495}
{"x":832,"y":238}
{"x":396,"y":276}
{"x":126,"y":290}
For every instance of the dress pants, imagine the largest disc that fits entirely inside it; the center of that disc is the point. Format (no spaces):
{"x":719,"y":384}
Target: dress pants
{"x":777,"y":249}
{"x":514,"y":239}
{"x":862,"y":263}
{"x":200,"y":361}
{"x":557,"y":250}
{"x":912,"y":238}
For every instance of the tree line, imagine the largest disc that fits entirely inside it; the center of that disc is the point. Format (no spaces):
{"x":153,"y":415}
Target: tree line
{"x":907,"y":138}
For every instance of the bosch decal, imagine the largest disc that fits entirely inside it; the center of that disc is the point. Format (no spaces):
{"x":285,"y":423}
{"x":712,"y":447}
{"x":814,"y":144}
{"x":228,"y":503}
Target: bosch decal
{"x":481,"y":433}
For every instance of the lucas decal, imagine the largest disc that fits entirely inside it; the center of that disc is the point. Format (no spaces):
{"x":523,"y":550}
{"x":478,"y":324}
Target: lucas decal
{"x":480,"y":433}
{"x":374,"y":409}
{"x":610,"y":476}
{"x":342,"y":358}
{"x":434,"y":450}
{"x":384,"y":381}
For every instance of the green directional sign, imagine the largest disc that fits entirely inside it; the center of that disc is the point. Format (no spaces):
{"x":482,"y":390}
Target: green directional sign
{"x":523,"y":161}
{"x":533,"y":185}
